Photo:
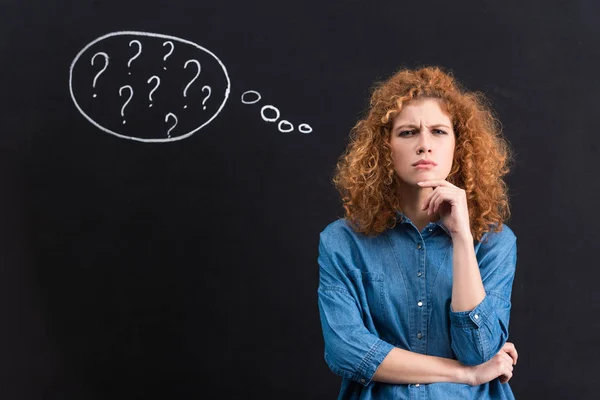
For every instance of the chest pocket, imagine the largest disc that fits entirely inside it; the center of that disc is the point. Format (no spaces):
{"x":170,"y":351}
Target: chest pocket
{"x":370,"y":295}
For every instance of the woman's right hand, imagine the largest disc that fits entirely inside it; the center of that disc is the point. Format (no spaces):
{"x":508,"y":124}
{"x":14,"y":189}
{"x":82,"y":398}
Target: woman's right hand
{"x":501,"y":365}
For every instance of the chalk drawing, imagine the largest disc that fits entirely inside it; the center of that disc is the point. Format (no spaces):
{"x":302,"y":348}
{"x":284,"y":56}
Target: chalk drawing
{"x":102,"y":70}
{"x":155,"y":87}
{"x":173,"y":127}
{"x":209,"y":73}
{"x":168,"y":42}
{"x":283,"y":126}
{"x":127,"y":46}
{"x":252,"y":92}
{"x":207,"y":96}
{"x":139,"y":44}
{"x":267,"y":119}
{"x":305,"y":128}
{"x":127,"y":101}
{"x":195,"y":77}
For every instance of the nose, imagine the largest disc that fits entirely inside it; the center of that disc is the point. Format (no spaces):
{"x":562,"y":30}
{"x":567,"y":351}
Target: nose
{"x":424,"y":143}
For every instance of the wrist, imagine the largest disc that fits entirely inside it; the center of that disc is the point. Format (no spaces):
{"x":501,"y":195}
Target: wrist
{"x":465,"y":374}
{"x":462,"y":236}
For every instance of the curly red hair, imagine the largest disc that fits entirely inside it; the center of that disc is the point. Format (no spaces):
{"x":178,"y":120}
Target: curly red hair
{"x":365,"y":175}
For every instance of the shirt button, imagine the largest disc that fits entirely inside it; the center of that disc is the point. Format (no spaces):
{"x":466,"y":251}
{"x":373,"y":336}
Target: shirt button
{"x":419,"y":273}
{"x":420,"y":303}
{"x":362,"y":380}
{"x":429,"y":229}
{"x":417,"y":385}
{"x":419,"y":335}
{"x":476,"y":316}
{"x":419,"y":246}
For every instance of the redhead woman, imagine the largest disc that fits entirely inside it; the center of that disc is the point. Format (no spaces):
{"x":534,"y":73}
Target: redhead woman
{"x":415,"y":280}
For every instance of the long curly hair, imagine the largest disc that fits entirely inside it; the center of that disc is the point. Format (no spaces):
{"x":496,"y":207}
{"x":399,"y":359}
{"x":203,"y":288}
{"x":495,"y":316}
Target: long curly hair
{"x":365,"y":175}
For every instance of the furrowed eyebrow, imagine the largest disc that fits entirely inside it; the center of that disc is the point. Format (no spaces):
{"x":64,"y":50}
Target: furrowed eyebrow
{"x":416,"y":127}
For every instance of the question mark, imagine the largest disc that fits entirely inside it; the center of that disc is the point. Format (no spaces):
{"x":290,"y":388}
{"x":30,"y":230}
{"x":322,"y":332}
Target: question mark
{"x":102,"y":70}
{"x":128,"y":100}
{"x":169,"y":53}
{"x":155,"y":87}
{"x":197,"y":74}
{"x":138,"y":53}
{"x":176,"y":121}
{"x":206,"y":98}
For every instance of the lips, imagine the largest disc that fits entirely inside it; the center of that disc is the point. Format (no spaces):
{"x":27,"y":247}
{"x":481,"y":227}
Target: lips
{"x":424,"y":162}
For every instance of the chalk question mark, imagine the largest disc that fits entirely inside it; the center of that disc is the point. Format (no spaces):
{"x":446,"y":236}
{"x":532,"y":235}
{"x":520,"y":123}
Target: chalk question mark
{"x":128,"y":100}
{"x":206,"y":98}
{"x":195,"y":77}
{"x":176,"y":121}
{"x":169,"y":53}
{"x":102,"y":70}
{"x":155,"y":87}
{"x":138,"y":53}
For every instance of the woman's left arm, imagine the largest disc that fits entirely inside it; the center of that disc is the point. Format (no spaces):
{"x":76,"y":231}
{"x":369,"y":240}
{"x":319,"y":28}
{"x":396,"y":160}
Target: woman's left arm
{"x":481,"y":292}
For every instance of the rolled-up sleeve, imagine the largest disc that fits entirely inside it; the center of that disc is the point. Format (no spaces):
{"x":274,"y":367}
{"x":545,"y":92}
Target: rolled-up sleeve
{"x":351,"y":350}
{"x":479,"y":334}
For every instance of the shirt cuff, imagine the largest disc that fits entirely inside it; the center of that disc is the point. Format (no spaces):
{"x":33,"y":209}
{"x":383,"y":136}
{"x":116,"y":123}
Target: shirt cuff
{"x":471,"y":319}
{"x":371,"y":362}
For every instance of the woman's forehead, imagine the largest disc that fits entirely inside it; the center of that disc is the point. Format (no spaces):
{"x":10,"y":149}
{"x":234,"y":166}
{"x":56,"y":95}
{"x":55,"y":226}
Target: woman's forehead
{"x":428,"y":109}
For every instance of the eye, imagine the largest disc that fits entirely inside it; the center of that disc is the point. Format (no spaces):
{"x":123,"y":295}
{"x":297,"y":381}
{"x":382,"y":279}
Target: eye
{"x":405,"y":133}
{"x":440,"y":131}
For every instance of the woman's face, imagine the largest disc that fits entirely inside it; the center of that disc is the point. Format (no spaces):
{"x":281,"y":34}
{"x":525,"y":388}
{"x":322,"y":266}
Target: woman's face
{"x":422,"y":131}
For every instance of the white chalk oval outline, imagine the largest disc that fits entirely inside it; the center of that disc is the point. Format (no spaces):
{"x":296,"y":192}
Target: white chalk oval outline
{"x":287,"y":130}
{"x":253,"y":92}
{"x":156,"y":35}
{"x":305,"y":128}
{"x":262,"y":113}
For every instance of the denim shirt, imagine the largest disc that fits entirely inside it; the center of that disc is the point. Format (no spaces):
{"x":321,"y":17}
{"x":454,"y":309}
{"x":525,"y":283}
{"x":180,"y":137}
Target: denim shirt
{"x":395,"y":290}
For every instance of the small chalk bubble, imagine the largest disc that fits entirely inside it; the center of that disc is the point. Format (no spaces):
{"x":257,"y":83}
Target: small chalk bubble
{"x":95,"y":95}
{"x":150,"y":105}
{"x":267,"y":119}
{"x":185,"y":106}
{"x":305,"y":128}
{"x":287,"y":129}
{"x":251,"y":92}
{"x":204,"y":108}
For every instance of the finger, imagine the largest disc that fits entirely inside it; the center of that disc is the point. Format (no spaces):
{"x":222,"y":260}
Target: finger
{"x":435,"y":182}
{"x":504,"y":378}
{"x":512,"y":351}
{"x":443,"y":196}
{"x":508,"y":346}
{"x":436,"y":204}
{"x":438,"y":199}
{"x":428,"y":200}
{"x":514,"y":355}
{"x":507,"y":358}
{"x":432,"y":203}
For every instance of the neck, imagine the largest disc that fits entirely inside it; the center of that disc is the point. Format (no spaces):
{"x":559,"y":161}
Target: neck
{"x":411,"y":198}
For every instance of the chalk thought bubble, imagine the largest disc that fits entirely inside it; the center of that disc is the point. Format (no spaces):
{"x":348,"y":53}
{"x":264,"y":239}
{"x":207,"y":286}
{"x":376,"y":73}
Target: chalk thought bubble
{"x":148,"y":87}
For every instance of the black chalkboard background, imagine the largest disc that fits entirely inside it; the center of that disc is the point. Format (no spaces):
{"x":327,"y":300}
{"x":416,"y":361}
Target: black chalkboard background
{"x":177,"y":269}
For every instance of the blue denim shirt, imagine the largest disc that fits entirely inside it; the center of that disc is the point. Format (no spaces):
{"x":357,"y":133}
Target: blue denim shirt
{"x":394,"y":290}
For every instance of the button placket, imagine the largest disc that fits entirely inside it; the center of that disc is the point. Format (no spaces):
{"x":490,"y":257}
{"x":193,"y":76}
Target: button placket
{"x":422,"y":293}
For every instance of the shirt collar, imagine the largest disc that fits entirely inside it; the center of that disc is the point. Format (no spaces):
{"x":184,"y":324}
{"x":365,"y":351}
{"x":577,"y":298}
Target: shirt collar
{"x":401,"y":219}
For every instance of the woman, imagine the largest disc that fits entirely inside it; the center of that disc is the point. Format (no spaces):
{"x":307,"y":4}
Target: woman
{"x":415,"y":281}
